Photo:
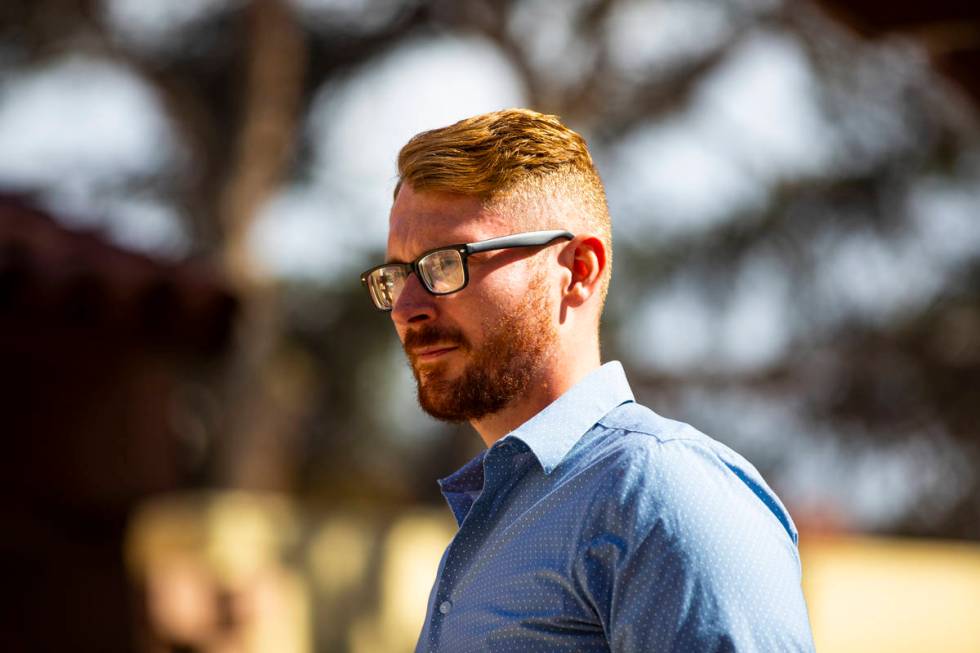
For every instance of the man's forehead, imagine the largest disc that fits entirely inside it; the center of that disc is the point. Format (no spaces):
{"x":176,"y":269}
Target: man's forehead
{"x":420,"y":221}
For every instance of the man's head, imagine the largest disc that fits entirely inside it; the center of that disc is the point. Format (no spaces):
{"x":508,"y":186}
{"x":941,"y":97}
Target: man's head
{"x":528,"y":315}
{"x":519,"y":162}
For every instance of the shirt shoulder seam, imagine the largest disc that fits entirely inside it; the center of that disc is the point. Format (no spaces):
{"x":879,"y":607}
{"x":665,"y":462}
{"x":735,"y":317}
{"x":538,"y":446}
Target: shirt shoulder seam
{"x":658,"y":436}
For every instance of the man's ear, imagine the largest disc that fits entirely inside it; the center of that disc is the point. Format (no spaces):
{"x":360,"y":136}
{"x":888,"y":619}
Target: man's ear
{"x":587,"y":262}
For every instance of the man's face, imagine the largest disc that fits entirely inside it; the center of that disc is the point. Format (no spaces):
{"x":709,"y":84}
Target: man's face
{"x":475,"y":351}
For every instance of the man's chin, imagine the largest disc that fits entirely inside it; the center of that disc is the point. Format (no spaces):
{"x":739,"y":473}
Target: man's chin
{"x":440,"y":403}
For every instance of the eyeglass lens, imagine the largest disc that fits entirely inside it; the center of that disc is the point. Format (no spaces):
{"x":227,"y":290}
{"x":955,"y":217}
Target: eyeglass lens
{"x":442,"y":271}
{"x":385,"y":285}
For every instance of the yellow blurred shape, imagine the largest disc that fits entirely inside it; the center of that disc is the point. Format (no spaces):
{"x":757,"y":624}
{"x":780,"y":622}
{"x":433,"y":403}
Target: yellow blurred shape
{"x":281,"y":614}
{"x":412,"y":550}
{"x":235,"y":533}
{"x":179,"y":601}
{"x":246,"y":533}
{"x":902,"y":596}
{"x":212,"y":565}
{"x":338,"y":555}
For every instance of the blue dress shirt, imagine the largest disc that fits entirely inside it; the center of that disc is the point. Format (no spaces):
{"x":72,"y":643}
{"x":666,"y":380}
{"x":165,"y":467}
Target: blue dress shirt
{"x":598,"y":525}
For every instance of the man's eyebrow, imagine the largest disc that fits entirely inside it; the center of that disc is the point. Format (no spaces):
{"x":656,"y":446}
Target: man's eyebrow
{"x":397,"y":261}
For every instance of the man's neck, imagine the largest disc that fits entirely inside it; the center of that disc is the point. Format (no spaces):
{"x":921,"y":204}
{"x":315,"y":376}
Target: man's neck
{"x":543,"y":393}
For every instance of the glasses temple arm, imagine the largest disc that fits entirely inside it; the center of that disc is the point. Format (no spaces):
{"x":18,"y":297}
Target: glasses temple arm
{"x":532,"y":239}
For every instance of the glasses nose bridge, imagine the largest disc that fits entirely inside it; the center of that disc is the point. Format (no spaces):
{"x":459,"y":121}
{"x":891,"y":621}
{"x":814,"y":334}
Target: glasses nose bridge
{"x":413,"y":302}
{"x":412,"y":270}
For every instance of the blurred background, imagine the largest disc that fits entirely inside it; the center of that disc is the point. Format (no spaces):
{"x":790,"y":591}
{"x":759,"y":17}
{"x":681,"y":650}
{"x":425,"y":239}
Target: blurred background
{"x":210,"y":438}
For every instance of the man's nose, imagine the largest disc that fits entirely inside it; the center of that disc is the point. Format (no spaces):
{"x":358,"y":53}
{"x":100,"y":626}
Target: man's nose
{"x":414,"y":304}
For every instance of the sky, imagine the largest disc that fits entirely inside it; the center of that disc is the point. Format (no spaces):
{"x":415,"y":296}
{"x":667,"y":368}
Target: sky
{"x":79,"y":130}
{"x":356,"y":127}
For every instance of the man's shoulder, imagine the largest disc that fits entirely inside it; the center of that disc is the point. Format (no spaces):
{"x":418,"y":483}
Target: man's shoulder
{"x":673,"y":460}
{"x":634,"y":418}
{"x":672,"y":448}
{"x":633,"y":436}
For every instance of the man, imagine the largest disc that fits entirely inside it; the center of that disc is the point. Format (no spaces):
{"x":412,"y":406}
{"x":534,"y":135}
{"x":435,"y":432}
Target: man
{"x":590,"y":523}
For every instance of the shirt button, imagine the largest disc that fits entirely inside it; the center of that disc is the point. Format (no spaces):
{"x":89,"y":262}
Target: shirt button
{"x":445,"y":607}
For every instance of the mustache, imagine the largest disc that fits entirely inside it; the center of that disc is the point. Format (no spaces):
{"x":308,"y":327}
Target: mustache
{"x":430,"y":335}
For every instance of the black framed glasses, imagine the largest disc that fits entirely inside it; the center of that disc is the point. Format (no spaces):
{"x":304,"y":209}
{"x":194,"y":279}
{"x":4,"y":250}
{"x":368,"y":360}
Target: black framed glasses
{"x":443,"y":270}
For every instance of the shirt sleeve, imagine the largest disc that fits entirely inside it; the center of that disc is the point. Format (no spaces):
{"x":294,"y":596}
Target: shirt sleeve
{"x":686,"y":555}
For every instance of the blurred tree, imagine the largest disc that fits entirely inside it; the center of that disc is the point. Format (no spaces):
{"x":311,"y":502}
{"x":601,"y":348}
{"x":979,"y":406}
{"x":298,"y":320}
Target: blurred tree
{"x":275,"y":61}
{"x":868,"y":370}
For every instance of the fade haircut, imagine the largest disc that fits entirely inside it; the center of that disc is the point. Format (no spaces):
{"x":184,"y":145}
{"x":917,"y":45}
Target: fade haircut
{"x":524,"y":164}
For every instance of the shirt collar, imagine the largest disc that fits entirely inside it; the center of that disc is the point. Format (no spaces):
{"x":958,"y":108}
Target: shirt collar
{"x":553,"y":432}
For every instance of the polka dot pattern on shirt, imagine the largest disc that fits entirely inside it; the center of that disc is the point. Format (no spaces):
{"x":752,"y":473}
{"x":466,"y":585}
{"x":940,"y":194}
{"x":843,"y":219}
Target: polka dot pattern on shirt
{"x":601,"y":526}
